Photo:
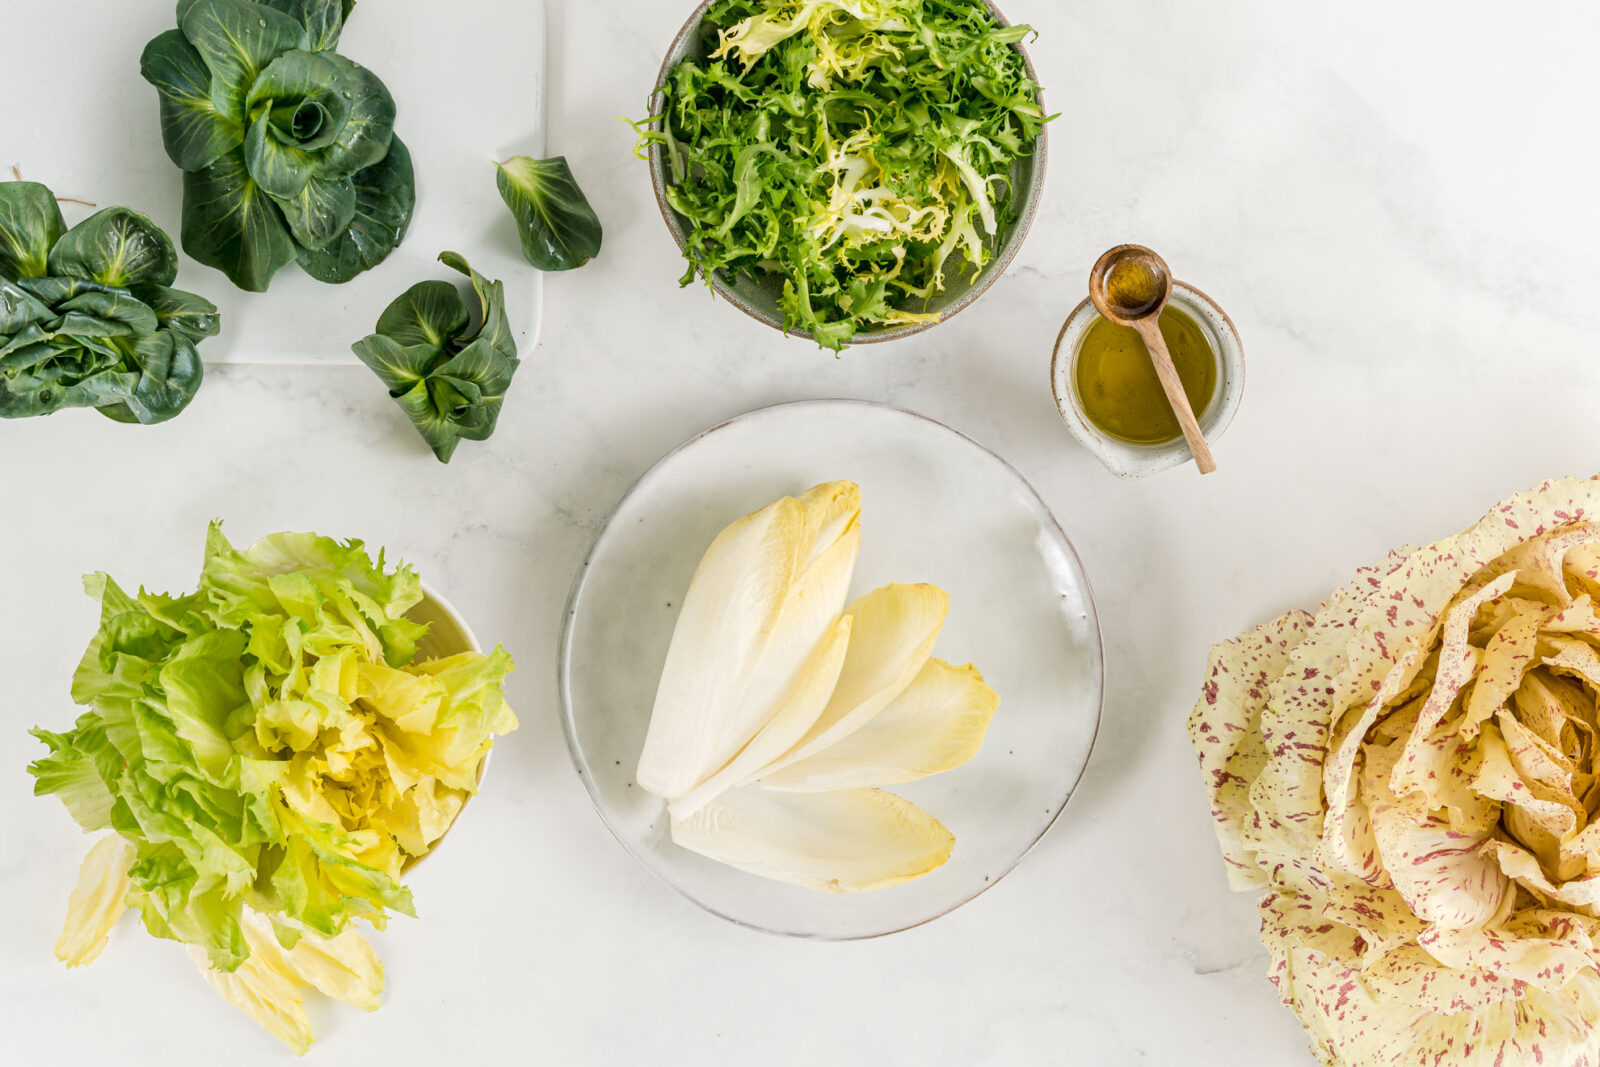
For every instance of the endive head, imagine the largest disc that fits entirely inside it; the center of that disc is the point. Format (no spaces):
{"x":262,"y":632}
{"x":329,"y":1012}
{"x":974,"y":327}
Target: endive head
{"x":764,"y":595}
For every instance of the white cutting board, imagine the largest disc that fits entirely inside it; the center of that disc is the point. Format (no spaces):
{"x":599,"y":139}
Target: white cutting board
{"x":468,"y":83}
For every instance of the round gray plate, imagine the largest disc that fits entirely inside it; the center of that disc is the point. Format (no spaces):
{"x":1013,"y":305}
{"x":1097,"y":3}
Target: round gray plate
{"x":936,"y":507}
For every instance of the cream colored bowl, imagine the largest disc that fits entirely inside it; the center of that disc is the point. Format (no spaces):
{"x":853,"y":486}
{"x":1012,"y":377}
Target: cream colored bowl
{"x":1122,"y":458}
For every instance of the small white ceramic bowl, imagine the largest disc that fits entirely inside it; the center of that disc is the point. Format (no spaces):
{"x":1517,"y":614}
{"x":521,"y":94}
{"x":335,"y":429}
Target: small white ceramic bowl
{"x":448,"y":635}
{"x":1127,"y":460}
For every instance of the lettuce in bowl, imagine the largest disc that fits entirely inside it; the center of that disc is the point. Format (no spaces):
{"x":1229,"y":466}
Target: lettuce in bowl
{"x":272,"y":754}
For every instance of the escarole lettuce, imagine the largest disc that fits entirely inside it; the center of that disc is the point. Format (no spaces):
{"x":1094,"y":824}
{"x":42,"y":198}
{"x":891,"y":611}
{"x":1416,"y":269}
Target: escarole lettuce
{"x":859,"y":150}
{"x":780,"y":711}
{"x":88,"y":317}
{"x":287,"y":148}
{"x":269,"y":755}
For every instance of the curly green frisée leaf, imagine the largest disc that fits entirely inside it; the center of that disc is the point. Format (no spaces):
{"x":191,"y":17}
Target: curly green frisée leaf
{"x":282,"y":141}
{"x":87,"y":318}
{"x":558,"y":228}
{"x":269,"y":754}
{"x":860,"y":150}
{"x":449,"y":376}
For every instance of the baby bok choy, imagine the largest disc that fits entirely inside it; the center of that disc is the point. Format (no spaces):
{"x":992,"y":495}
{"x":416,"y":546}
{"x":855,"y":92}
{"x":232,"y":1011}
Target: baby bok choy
{"x":88,"y":317}
{"x":447,"y":368}
{"x":781,"y":712}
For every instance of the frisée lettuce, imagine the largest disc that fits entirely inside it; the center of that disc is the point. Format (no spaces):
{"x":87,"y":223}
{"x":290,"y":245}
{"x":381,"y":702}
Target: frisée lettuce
{"x":861,"y":150}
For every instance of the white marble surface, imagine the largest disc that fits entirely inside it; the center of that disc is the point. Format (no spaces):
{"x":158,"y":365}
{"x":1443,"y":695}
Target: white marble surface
{"x":1395,"y":201}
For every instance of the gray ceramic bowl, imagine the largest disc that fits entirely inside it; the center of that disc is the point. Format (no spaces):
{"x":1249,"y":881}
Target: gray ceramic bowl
{"x":759,"y":298}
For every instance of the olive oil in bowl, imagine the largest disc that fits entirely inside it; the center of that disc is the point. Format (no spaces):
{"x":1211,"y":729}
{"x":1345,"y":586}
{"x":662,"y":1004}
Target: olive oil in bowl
{"x":1117,"y":384}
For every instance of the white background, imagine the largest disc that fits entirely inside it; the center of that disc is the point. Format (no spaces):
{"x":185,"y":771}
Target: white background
{"x":1395,"y":201}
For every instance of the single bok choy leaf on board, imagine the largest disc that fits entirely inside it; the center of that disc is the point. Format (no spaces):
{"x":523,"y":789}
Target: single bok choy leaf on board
{"x":558,"y":228}
{"x":780,"y":712}
{"x":447,"y":368}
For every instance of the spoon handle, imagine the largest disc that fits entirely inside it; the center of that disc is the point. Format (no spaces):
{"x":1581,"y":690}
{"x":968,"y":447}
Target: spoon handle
{"x":1150,"y":330}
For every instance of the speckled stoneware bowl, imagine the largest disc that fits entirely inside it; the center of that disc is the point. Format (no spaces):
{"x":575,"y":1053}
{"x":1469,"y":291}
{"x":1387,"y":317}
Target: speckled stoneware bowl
{"x":448,"y":635}
{"x":759,"y":298}
{"x":1127,"y":460}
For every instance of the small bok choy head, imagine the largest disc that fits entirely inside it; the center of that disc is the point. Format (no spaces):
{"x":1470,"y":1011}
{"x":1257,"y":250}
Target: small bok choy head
{"x":447,"y":368}
{"x":88,"y":317}
{"x":780,"y":712}
{"x":287,"y":148}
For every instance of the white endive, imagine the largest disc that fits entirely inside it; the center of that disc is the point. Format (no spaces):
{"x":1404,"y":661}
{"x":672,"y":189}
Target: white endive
{"x":799,"y":711}
{"x":777,"y":716}
{"x":936,"y":725}
{"x":840,"y":842}
{"x":767,"y":591}
{"x":894,"y":631}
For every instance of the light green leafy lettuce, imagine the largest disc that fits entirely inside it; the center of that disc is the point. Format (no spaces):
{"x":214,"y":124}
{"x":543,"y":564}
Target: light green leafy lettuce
{"x":271,"y":741}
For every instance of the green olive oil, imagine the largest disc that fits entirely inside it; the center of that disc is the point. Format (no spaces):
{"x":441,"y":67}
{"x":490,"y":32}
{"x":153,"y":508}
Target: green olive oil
{"x":1118,"y":386}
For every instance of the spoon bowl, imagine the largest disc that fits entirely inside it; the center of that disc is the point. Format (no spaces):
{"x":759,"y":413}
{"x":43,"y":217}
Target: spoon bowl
{"x":1130,"y":283}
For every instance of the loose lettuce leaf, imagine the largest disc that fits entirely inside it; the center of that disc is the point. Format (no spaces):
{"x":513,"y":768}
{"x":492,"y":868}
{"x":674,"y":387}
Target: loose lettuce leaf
{"x":558,"y":228}
{"x":97,"y":902}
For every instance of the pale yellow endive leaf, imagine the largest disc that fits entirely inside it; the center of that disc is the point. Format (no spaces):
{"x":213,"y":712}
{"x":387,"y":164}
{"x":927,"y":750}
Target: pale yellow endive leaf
{"x":936,"y":725}
{"x":839,"y":842}
{"x":266,"y":995}
{"x":766,"y":591}
{"x":97,"y":901}
{"x":796,"y":715}
{"x":895,"y":628}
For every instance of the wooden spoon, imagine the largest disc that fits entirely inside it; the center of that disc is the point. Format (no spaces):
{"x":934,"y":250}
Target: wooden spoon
{"x":1130,"y":285}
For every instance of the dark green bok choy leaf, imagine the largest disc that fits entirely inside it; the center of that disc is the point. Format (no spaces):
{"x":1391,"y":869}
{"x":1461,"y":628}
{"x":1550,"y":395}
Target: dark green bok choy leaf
{"x":558,"y":228}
